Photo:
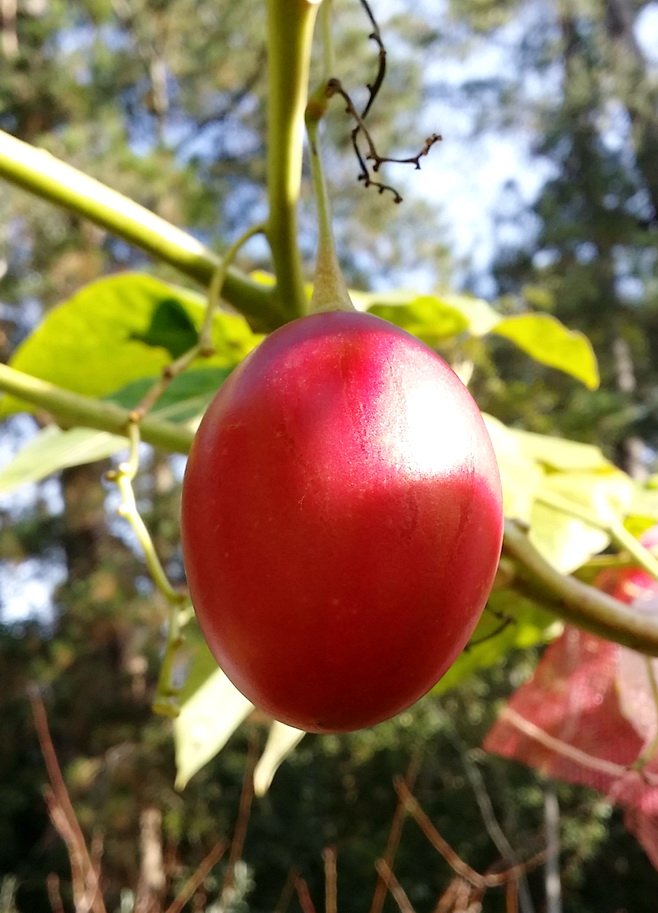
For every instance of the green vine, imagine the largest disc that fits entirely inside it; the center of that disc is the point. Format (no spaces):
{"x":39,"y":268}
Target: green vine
{"x":180,"y":607}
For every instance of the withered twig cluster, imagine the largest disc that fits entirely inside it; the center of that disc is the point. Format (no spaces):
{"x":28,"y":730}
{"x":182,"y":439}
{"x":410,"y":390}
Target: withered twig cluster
{"x":371,"y":161}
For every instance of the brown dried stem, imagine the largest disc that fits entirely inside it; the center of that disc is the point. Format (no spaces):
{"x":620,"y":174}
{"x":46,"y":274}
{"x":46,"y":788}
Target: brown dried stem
{"x":330,"y":880}
{"x":54,"y":894}
{"x":244,"y":811}
{"x":334,"y":87}
{"x":304,"y":896}
{"x":456,"y":863}
{"x":376,"y":36}
{"x":195,"y":881}
{"x":394,"y":835}
{"x":287,"y":891}
{"x":459,"y":897}
{"x":394,"y":886}
{"x":84,"y":873}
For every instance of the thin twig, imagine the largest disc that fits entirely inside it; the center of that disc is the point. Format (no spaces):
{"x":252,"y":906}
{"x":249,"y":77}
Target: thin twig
{"x":460,"y":897}
{"x":397,"y":891}
{"x":63,"y":814}
{"x":330,"y":880}
{"x":485,"y":805}
{"x":457,"y":864}
{"x":504,"y":621}
{"x":287,"y":891}
{"x":63,"y":827}
{"x":197,"y":878}
{"x":512,"y":897}
{"x":304,"y":896}
{"x":54,"y":894}
{"x":609,"y":768}
{"x":244,"y":811}
{"x":335,"y":87}
{"x":376,"y":36}
{"x":394,"y":835}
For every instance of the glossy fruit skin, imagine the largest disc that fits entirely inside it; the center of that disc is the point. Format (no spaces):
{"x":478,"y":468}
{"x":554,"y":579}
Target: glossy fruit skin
{"x":341,"y":521}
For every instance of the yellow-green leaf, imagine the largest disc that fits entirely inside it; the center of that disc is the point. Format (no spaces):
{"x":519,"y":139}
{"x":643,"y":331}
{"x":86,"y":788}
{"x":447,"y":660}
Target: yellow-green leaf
{"x":121,"y":329}
{"x":548,"y":341}
{"x":566,"y":540}
{"x":205,"y":723}
{"x":509,"y":622}
{"x":425,"y":316}
{"x":520,"y":475}
{"x":281,"y":741}
{"x":560,"y":454}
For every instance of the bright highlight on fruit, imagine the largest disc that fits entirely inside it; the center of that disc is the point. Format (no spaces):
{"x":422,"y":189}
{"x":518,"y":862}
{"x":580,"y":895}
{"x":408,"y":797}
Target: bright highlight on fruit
{"x":341,"y":521}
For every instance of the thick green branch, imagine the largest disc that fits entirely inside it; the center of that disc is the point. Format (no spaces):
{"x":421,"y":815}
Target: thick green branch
{"x":42,"y":174}
{"x":290,"y":33}
{"x":574,"y":601}
{"x":72,"y":409}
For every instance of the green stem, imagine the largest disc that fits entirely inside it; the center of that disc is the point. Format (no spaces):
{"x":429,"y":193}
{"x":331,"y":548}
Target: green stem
{"x":574,"y":601}
{"x":218,"y":283}
{"x":124,"y":477}
{"x":329,"y":288}
{"x":328,"y":57}
{"x":290,"y":26}
{"x":40,"y":173}
{"x":73,"y":409}
{"x":203,"y":348}
{"x":166,"y":701}
{"x":330,"y":291}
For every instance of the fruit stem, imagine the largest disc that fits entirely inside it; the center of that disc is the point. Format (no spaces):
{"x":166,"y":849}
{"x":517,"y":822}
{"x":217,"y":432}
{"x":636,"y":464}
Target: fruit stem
{"x":329,"y":287}
{"x":290,"y":25}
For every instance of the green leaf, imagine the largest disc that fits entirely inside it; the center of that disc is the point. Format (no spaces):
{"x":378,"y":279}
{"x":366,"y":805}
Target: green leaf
{"x":212,"y":709}
{"x":565,"y":540}
{"x":52,"y":450}
{"x":559,"y":454}
{"x":548,"y":341}
{"x":121,"y":329}
{"x":480,"y":316}
{"x":170,"y":328}
{"x":645,"y":504}
{"x":425,"y":316}
{"x":185,"y":399}
{"x":530,"y":625}
{"x":520,"y":475}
